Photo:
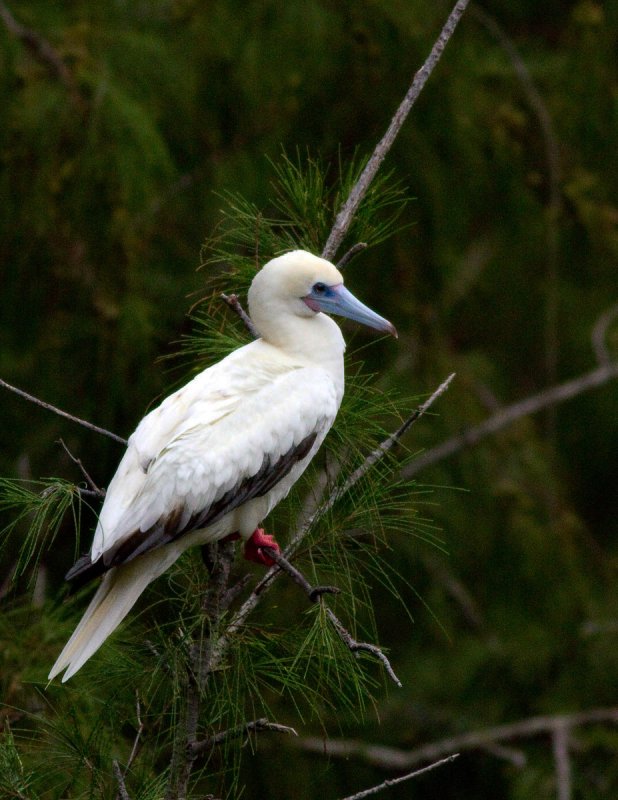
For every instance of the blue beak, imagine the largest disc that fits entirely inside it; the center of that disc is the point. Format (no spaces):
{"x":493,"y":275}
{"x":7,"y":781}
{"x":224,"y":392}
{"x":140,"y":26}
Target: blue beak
{"x":338,"y":300}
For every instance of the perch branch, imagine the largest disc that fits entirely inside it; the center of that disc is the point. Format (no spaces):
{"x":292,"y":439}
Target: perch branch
{"x":314,"y":593}
{"x":395,"y":781}
{"x":350,"y":207}
{"x":62,"y":413}
{"x":256,"y":726}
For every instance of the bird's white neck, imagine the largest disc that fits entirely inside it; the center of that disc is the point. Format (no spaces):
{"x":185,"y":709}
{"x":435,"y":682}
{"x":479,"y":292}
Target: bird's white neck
{"x":314,"y":340}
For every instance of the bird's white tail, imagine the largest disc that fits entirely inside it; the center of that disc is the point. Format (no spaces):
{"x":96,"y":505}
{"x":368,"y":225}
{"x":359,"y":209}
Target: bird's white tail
{"x":117,"y":594}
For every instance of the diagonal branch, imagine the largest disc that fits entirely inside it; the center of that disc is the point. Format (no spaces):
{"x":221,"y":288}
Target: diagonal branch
{"x":396,"y":758}
{"x":256,"y":726}
{"x":530,"y":405}
{"x":234,"y":303}
{"x":395,"y":781}
{"x":355,"y":198}
{"x":266,"y":582}
{"x":62,"y":413}
{"x":44,"y":53}
{"x":315,"y":593}
{"x":355,"y":647}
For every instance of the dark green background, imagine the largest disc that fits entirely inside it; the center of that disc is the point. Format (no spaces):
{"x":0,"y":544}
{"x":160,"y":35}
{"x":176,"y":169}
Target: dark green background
{"x":109,"y":187}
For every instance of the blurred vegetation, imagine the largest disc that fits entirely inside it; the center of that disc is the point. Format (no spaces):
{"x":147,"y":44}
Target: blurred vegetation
{"x":175,"y":112}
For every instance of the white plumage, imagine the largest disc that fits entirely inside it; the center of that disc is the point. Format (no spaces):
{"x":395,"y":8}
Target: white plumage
{"x":217,"y":455}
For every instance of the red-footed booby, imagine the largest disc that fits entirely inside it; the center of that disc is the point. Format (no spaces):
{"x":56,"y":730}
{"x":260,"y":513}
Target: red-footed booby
{"x":217,"y":455}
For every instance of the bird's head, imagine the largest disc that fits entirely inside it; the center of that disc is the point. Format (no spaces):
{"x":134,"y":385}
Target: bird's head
{"x":303,"y":285}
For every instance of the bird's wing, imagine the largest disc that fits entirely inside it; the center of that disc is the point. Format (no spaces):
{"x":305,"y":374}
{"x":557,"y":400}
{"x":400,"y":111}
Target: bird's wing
{"x":225,"y":438}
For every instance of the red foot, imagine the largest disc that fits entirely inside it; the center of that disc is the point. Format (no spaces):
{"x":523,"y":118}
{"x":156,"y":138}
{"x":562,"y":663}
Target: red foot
{"x":254,"y":545}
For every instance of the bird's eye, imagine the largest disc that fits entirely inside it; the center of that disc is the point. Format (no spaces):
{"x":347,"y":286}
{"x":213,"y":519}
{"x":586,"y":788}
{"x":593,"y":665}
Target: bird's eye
{"x":319,"y":288}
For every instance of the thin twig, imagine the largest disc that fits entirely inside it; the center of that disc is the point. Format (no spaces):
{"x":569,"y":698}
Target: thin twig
{"x":138,"y":734}
{"x":94,"y":488}
{"x":234,"y":303}
{"x":350,"y":207}
{"x":599,"y":333}
{"x":347,"y":257}
{"x":122,"y":789}
{"x":560,"y":746}
{"x":396,"y":758}
{"x":530,"y":405}
{"x":355,"y":646}
{"x":554,"y":178}
{"x":394,"y":781}
{"x":62,"y":413}
{"x":43,"y":51}
{"x":314,"y":593}
{"x":256,"y":726}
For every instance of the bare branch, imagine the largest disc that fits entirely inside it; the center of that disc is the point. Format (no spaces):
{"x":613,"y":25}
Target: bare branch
{"x":315,"y":593}
{"x":560,"y":746}
{"x":44,"y":53}
{"x":396,"y":758}
{"x":93,"y":487}
{"x":61,"y":413}
{"x":256,"y":726}
{"x":234,"y":303}
{"x":599,"y":332}
{"x":355,"y":647}
{"x":554,"y":178}
{"x":347,"y":257}
{"x":350,"y":207}
{"x":530,"y":405}
{"x":394,"y":781}
{"x":138,"y":734}
{"x":122,"y":789}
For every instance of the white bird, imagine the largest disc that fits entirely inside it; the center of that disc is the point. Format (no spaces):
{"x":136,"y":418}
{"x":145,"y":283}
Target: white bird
{"x":217,"y":455}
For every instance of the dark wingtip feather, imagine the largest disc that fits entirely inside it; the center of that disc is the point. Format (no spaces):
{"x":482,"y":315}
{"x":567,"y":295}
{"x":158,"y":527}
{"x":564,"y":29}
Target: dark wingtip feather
{"x":83,"y":571}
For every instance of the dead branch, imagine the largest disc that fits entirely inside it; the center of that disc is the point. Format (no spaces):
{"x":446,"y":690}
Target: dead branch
{"x":554,"y":179}
{"x":356,"y":647}
{"x":560,"y":746}
{"x":234,"y":303}
{"x":44,"y":53}
{"x":122,"y":789}
{"x":350,"y":207}
{"x":395,"y":758}
{"x":599,"y":333}
{"x":509,"y":414}
{"x":256,"y":726}
{"x":394,"y":781}
{"x":314,"y":593}
{"x":62,"y":413}
{"x":347,"y":257}
{"x":94,"y":489}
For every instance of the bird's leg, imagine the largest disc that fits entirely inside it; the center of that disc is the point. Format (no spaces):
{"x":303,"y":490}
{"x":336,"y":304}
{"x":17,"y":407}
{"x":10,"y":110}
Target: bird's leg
{"x":254,"y":545}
